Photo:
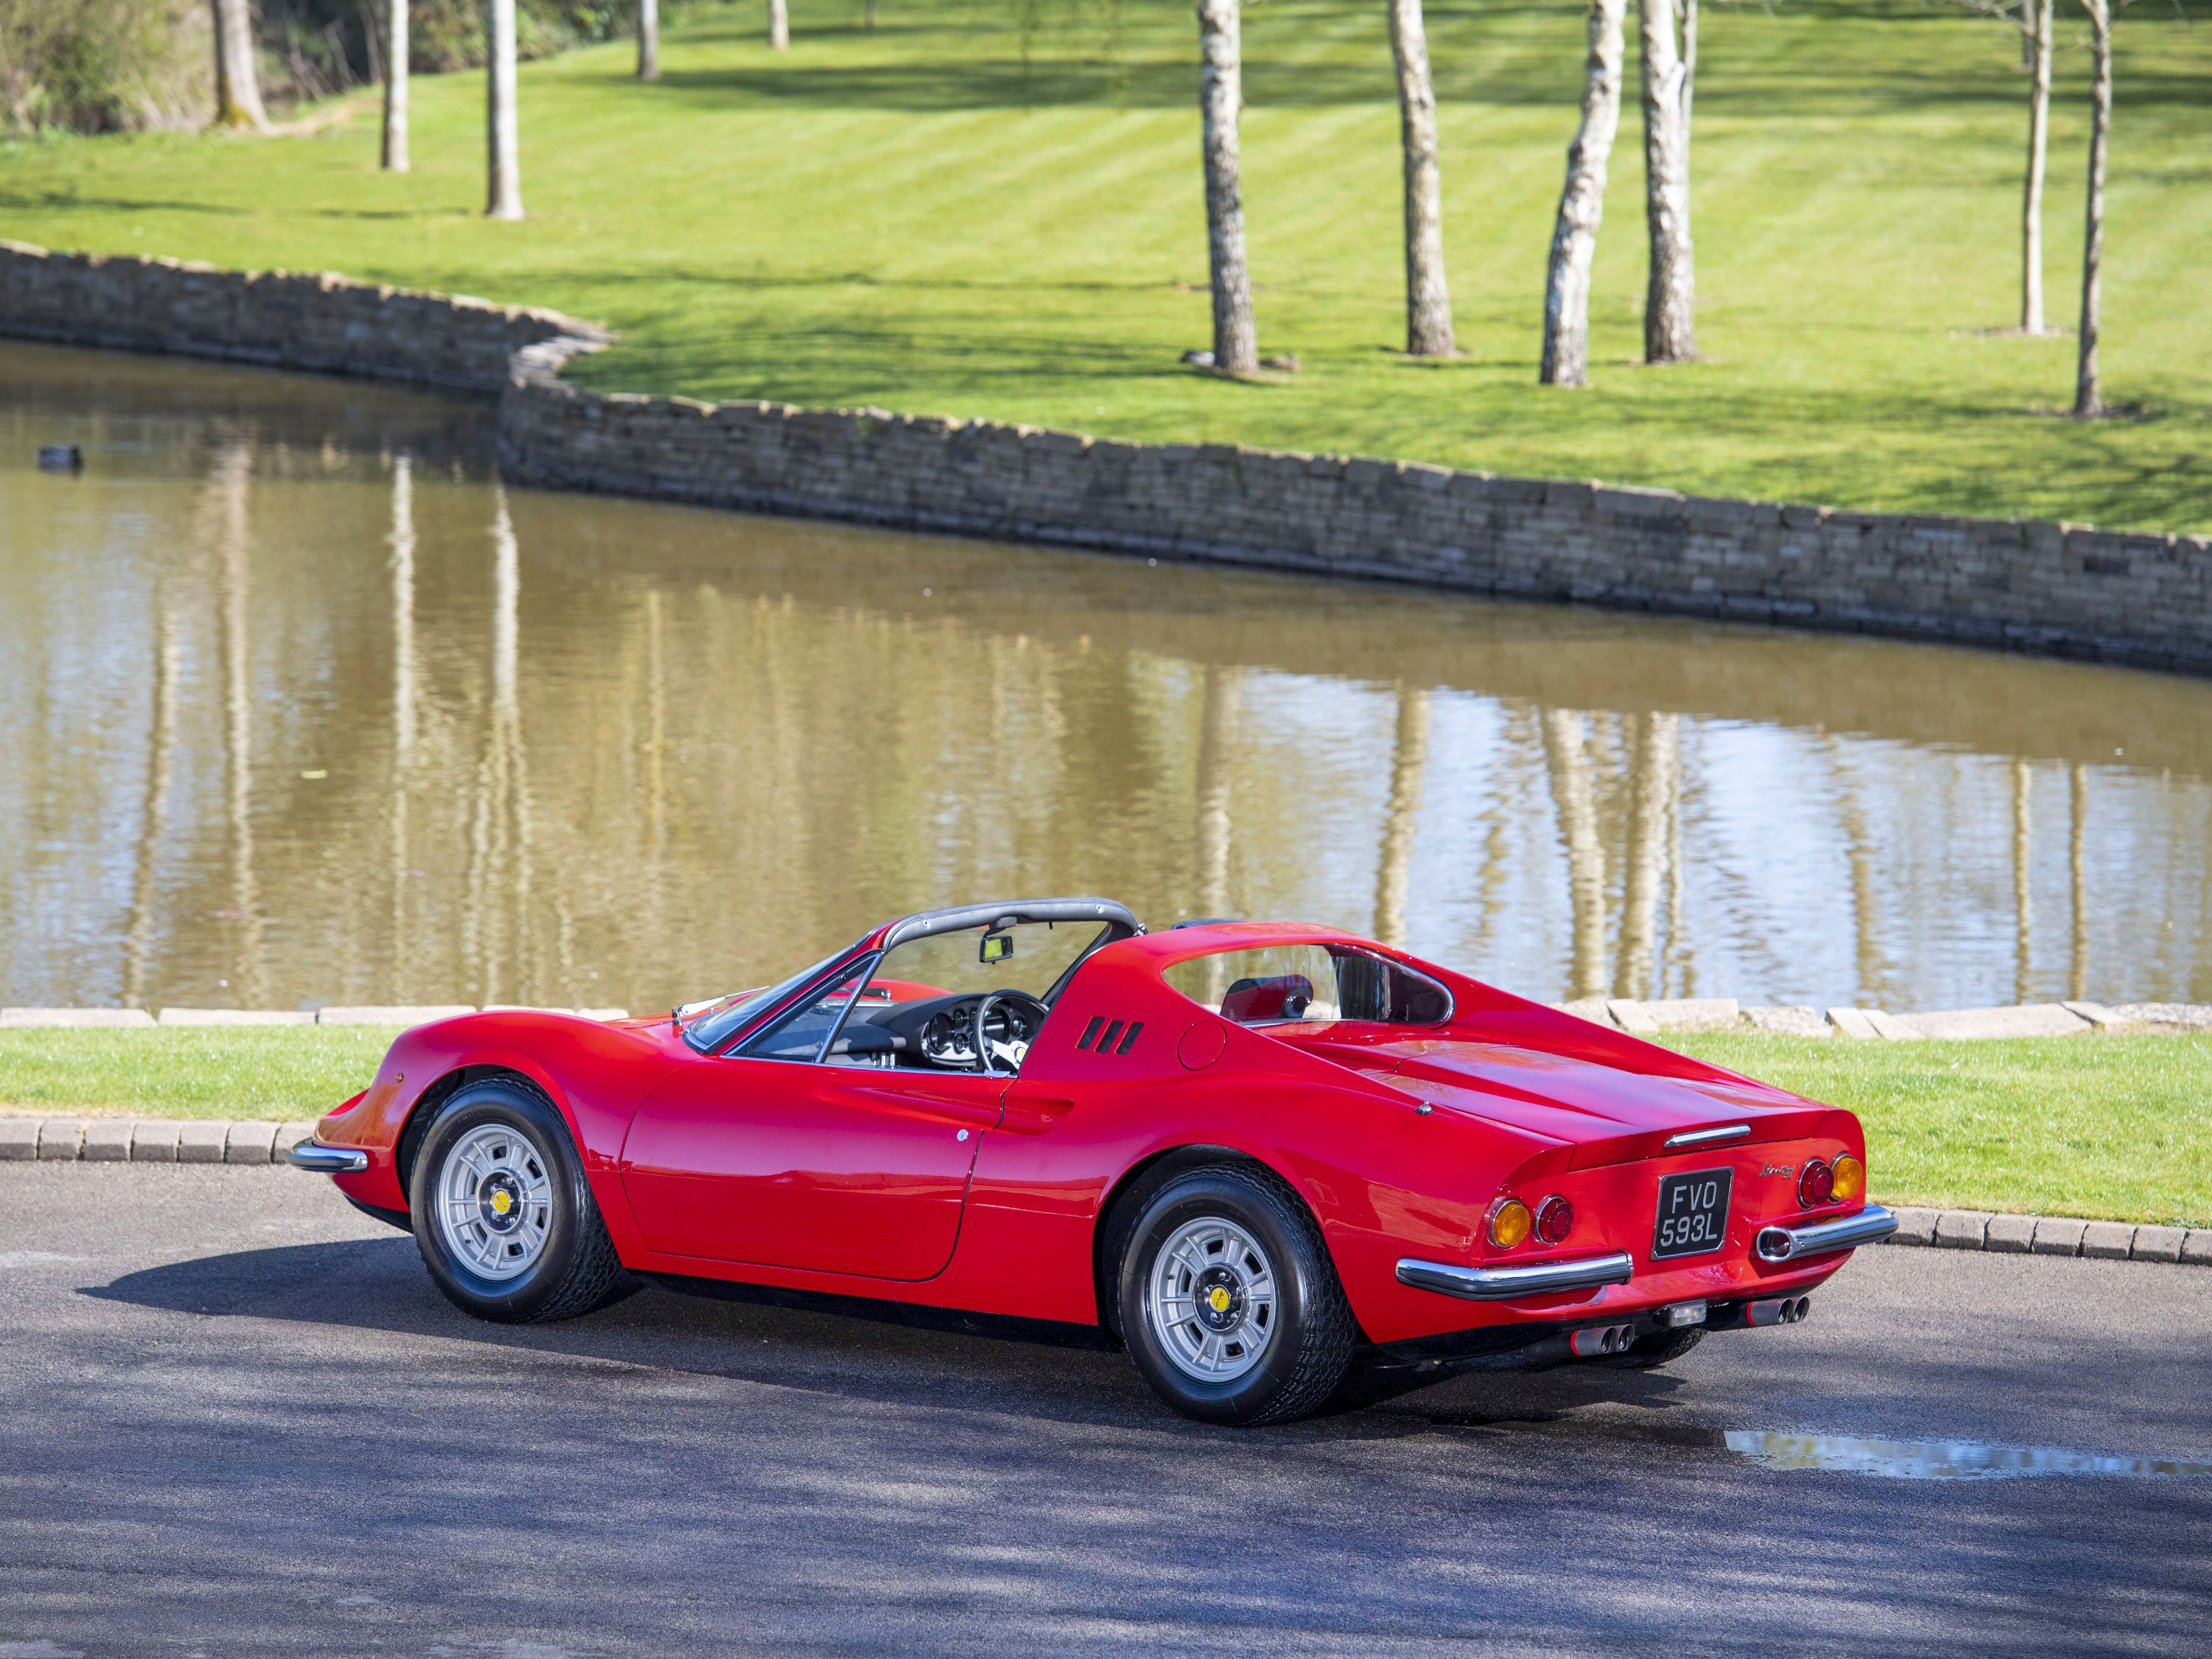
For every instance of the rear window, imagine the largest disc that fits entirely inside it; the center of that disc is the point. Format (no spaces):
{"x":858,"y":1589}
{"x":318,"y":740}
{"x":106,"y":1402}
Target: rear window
{"x":1310,"y":984}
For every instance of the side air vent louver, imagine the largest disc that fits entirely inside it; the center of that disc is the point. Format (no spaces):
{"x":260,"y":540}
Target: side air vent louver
{"x":1100,"y":1035}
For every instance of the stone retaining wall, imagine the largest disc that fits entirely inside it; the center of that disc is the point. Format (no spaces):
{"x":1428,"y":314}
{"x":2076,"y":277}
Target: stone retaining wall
{"x":2060,"y":589}
{"x":2063,"y":589}
{"x":315,"y":320}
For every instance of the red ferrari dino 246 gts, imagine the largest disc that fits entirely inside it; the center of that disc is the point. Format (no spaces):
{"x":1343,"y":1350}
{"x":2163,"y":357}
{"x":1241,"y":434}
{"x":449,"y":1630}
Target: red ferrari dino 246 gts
{"x":1252,"y":1154}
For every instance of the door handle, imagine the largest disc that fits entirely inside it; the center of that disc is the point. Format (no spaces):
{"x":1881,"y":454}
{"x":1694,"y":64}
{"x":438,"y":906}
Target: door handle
{"x":1032,"y":1115}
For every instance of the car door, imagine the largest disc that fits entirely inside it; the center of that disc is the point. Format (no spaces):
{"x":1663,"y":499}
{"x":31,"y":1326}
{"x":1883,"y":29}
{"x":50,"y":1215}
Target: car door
{"x":846,"y":1169}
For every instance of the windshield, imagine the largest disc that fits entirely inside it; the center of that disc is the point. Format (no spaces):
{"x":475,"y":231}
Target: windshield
{"x":706,"y":1024}
{"x":1030,"y":956}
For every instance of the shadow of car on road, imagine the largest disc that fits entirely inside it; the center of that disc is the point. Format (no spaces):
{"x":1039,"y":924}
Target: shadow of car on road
{"x":377,"y":1285}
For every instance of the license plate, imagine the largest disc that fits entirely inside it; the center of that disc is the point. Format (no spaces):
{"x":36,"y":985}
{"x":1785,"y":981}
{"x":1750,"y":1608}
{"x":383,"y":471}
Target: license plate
{"x":1694,"y":1213}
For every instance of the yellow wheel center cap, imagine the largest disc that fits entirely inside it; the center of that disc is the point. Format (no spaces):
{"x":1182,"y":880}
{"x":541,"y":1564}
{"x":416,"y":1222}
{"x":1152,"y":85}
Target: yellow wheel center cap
{"x":1218,"y":1299}
{"x":501,"y":1203}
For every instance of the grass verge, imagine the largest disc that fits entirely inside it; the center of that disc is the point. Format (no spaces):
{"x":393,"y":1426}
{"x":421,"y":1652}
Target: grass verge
{"x":2115,"y":1128}
{"x":954,"y":215}
{"x":281,"y":1072}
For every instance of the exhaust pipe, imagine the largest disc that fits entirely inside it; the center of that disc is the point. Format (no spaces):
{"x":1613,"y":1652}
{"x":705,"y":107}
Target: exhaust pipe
{"x":1594,"y":1340}
{"x":1780,"y":1310}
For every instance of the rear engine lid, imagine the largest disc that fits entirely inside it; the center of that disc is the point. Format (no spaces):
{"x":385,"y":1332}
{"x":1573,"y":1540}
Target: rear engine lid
{"x":1609,"y":1115}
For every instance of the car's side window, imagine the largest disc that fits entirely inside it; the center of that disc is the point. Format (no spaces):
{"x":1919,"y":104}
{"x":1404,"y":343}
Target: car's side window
{"x":798,"y":1033}
{"x":1309,"y":984}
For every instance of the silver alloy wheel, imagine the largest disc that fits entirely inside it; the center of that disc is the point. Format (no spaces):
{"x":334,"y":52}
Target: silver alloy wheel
{"x":496,"y":1201}
{"x":1210,"y":1300}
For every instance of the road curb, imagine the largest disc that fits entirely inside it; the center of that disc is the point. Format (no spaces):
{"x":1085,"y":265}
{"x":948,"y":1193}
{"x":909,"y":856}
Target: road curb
{"x":2053,"y":1235}
{"x":147,"y":1140}
{"x":258,"y":1141}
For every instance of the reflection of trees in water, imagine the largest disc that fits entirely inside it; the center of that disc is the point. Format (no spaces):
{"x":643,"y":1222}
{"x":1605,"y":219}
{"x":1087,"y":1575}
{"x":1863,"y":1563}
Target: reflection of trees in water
{"x":684,"y":765}
{"x":227,"y":496}
{"x":1409,"y":755}
{"x":1569,"y":760}
{"x":154,"y":819}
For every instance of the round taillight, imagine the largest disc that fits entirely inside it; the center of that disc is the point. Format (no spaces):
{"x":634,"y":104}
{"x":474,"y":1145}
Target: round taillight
{"x":1848,"y":1180}
{"x":1816,"y":1183}
{"x":1555,"y":1219}
{"x":1510,"y":1222}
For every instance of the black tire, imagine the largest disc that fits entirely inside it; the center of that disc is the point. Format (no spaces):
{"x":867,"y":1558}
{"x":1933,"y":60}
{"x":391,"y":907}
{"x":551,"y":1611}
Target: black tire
{"x":1310,"y":1333}
{"x":1648,"y":1353}
{"x":576,"y":1270}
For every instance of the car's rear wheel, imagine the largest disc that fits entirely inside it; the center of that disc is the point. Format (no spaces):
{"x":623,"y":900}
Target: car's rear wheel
{"x":1230,"y":1304}
{"x":503,"y":1216}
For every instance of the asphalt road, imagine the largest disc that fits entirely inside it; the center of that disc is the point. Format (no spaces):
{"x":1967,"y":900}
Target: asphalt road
{"x":239,"y":1421}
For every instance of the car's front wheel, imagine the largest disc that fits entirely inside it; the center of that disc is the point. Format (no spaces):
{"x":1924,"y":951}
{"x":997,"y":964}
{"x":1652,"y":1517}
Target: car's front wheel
{"x":503,"y":1216}
{"x":1230,"y":1304}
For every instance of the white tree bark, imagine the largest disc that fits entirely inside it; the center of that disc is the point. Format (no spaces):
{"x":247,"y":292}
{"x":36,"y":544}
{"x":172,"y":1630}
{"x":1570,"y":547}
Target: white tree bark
{"x":394,"y":152}
{"x":871,"y":14}
{"x":503,"y":192}
{"x":237,"y":84}
{"x":1669,"y":300}
{"x":2089,"y":397}
{"x":1581,"y":204}
{"x":2036,"y":16}
{"x":1428,"y":300}
{"x":648,"y":39}
{"x":778,"y":25}
{"x":1220,"y":102}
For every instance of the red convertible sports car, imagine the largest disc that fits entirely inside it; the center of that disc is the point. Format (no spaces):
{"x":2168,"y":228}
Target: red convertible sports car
{"x":1255,"y":1154}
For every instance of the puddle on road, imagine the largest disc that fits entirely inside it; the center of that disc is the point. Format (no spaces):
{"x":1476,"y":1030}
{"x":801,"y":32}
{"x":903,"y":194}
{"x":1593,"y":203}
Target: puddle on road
{"x":1940,"y":1460}
{"x":1894,"y":1460}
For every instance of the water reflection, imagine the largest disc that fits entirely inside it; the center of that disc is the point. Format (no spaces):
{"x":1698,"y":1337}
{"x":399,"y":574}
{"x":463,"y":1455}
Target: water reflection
{"x":303,"y":708}
{"x":1941,"y":1460}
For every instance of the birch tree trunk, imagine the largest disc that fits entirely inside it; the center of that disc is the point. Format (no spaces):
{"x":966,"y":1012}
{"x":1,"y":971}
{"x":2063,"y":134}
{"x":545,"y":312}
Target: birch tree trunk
{"x":1581,"y":205}
{"x":1669,"y":300}
{"x":504,"y":192}
{"x":394,"y":153}
{"x":2087,"y":397}
{"x":778,"y":25}
{"x":2038,"y":145}
{"x":237,"y":85}
{"x":1428,"y":300}
{"x":648,"y":39}
{"x":871,"y":14}
{"x":1220,"y":100}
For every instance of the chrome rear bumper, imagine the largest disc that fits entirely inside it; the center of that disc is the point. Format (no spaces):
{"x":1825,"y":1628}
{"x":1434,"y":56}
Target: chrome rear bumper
{"x":1507,"y":1284}
{"x":1869,"y":1226}
{"x":313,"y":1156}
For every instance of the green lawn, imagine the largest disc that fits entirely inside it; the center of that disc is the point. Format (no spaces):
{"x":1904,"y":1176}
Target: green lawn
{"x":2118,"y":1127}
{"x":916,"y":218}
{"x":284,"y":1073}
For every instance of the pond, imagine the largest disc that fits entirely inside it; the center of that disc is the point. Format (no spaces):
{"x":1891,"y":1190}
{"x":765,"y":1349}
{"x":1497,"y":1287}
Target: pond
{"x":303,"y":707}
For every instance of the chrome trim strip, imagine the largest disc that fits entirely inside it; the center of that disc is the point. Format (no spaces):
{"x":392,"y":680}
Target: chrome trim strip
{"x":1869,"y":1226}
{"x":1506,"y":1284}
{"x":319,"y":1159}
{"x":1701,"y":1137}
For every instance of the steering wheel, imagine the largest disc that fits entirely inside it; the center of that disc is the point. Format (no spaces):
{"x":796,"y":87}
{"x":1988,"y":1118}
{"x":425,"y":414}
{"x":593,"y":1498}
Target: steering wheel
{"x":1014,"y":1047}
